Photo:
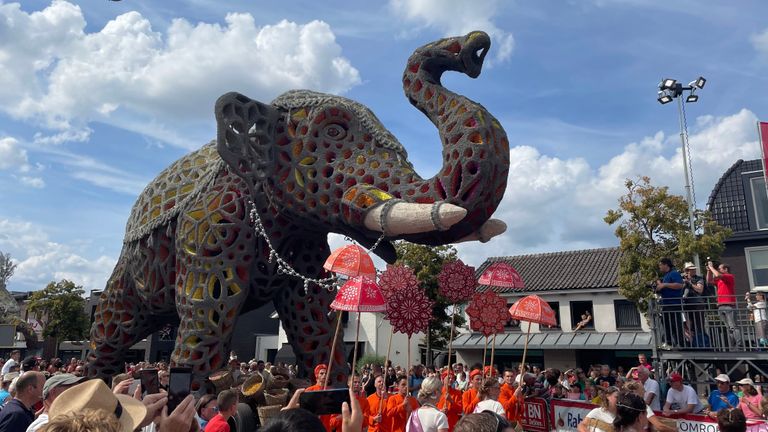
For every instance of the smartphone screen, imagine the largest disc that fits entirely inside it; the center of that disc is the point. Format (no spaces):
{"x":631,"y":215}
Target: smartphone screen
{"x":179,"y":386}
{"x":325,"y":401}
{"x":149,"y":382}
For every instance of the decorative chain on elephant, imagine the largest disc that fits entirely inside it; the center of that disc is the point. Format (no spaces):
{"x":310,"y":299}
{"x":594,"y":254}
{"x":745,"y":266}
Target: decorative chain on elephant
{"x":308,"y":164}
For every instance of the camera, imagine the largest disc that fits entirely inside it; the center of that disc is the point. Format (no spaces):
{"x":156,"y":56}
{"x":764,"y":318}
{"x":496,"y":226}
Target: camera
{"x":653,"y":285}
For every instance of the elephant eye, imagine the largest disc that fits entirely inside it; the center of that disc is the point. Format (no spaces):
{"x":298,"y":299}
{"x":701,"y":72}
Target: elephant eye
{"x":335,"y":131}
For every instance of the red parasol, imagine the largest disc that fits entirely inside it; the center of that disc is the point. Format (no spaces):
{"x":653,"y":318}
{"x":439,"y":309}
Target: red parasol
{"x":351,"y":260}
{"x":359,"y":294}
{"x":501,"y":275}
{"x":396,"y":277}
{"x":532,"y":308}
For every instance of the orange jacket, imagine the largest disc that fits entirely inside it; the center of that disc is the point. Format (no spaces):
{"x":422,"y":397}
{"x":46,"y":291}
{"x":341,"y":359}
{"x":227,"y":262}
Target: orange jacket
{"x":336,"y":419}
{"x":469,"y":401}
{"x":398,"y":416}
{"x":452,"y":409}
{"x":374,"y":402}
{"x":325,"y":419}
{"x":507,"y":399}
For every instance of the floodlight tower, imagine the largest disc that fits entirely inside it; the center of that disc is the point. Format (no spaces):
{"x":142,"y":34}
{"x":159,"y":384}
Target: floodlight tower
{"x":670,"y":89}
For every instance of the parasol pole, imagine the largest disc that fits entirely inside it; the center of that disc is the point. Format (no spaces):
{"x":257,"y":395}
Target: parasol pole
{"x":493,"y":351}
{"x":450,"y":340}
{"x":525,"y":351}
{"x":408,"y":367}
{"x":333,"y":348}
{"x":357,"y":336}
{"x":485,"y":352}
{"x":384,"y":375}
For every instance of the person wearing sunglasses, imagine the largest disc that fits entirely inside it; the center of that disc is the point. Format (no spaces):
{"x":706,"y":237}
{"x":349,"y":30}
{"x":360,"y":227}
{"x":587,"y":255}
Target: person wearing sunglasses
{"x":207,"y":408}
{"x":485,"y":421}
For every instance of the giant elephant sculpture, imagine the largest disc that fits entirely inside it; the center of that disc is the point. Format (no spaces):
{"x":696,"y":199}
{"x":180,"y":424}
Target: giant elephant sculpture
{"x":308,"y":164}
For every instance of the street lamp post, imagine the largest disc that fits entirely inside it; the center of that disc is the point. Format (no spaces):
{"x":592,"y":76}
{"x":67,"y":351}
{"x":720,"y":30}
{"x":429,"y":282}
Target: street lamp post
{"x":670,"y":89}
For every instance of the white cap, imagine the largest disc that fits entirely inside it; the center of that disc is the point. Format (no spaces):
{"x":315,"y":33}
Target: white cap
{"x":723,"y":378}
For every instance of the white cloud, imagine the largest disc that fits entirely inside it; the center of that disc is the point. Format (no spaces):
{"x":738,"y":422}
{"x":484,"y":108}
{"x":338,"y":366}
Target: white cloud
{"x":11,"y":154}
{"x":552,"y":203}
{"x":456,"y":17}
{"x":760,"y":42}
{"x":35,"y":182}
{"x":127,"y":74}
{"x":40,"y":260}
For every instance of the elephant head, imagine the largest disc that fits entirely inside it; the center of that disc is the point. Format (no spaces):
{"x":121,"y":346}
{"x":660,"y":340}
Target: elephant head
{"x":328,"y":162}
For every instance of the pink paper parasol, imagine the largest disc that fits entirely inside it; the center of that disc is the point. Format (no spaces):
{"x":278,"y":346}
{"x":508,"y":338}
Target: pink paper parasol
{"x":351,"y":260}
{"x":501,"y":275}
{"x":532,"y":308}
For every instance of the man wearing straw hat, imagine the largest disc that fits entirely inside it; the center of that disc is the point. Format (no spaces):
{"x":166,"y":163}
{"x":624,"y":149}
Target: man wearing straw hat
{"x":95,"y":395}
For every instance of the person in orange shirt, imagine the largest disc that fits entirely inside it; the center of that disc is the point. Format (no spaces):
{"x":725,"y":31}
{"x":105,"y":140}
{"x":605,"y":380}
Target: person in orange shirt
{"x":355,"y":383}
{"x":320,"y":372}
{"x":450,"y":400}
{"x":469,"y":399}
{"x":377,"y":405}
{"x":511,"y":397}
{"x":399,"y":406}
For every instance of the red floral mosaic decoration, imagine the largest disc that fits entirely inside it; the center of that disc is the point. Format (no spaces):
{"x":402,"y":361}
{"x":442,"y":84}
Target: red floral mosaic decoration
{"x":409,"y":310}
{"x":456,"y":281}
{"x":487,"y":313}
{"x":396,"y":277}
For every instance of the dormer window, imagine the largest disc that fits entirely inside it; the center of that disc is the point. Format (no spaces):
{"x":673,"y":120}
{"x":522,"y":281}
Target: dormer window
{"x":759,"y":201}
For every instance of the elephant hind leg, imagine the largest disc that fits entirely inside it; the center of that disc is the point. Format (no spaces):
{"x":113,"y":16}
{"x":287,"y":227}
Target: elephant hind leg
{"x":120,"y":321}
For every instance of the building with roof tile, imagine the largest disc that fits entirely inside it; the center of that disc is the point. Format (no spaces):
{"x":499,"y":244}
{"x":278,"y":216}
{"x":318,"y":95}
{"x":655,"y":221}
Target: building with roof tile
{"x":572,"y":282}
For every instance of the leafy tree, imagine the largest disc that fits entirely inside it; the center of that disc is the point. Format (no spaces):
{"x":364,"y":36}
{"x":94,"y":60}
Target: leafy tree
{"x":60,"y":309}
{"x":7,"y":267}
{"x":426,"y":262}
{"x":651,"y":224}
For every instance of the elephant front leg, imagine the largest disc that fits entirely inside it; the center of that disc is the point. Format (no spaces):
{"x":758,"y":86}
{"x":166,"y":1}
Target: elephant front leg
{"x":309,"y":327}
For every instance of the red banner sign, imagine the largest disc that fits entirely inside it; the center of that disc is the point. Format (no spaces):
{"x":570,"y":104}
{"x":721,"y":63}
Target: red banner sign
{"x":535,"y":416}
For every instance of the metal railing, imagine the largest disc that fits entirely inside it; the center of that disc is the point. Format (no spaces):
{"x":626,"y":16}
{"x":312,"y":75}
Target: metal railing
{"x":701,"y":324}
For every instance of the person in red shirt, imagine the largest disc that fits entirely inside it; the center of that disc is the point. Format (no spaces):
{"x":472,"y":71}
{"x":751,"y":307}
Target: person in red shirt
{"x":726,"y":298}
{"x":399,"y":406}
{"x":227,"y":401}
{"x":377,"y":404}
{"x":469,"y":399}
{"x":450,"y":400}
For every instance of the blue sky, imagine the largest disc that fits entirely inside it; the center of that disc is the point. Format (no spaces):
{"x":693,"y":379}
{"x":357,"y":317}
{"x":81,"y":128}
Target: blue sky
{"x":97,"y":97}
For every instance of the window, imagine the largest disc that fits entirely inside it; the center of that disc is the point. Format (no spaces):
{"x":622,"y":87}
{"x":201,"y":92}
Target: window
{"x":760,"y":201}
{"x":511,"y":324}
{"x":627,"y":315}
{"x":757,"y":266}
{"x":582,"y":317}
{"x":555,"y":307}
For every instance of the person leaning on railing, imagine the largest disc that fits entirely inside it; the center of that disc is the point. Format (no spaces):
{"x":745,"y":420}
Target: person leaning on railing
{"x":670,"y":288}
{"x":726,"y":298}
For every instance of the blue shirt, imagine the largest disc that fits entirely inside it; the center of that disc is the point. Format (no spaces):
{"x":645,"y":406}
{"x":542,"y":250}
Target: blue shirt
{"x":414,"y":381}
{"x":669,"y":295}
{"x":717,"y":404}
{"x":3,"y":396}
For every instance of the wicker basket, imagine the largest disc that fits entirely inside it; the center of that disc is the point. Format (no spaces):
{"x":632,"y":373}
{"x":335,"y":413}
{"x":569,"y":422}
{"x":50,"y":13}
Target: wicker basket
{"x":278,"y":382}
{"x":276,"y":396}
{"x":267,"y":412}
{"x":222,"y":380}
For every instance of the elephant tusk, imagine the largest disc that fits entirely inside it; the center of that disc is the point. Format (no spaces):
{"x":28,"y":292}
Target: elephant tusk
{"x":491,"y":228}
{"x":412,"y":218}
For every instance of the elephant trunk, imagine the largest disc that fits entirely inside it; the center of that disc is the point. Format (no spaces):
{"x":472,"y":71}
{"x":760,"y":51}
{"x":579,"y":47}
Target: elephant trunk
{"x":475,"y":146}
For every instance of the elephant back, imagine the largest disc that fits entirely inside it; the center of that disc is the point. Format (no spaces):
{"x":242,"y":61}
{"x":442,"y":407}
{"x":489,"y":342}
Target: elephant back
{"x":171,"y":190}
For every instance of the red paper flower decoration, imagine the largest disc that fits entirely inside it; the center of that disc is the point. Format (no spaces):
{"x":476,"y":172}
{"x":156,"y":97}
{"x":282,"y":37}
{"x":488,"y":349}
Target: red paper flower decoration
{"x":396,"y":277}
{"x":487,"y":313}
{"x":456,"y":282}
{"x":409,"y":310}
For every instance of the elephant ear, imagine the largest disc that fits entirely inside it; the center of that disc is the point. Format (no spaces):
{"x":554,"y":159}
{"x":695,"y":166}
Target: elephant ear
{"x":245,"y":136}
